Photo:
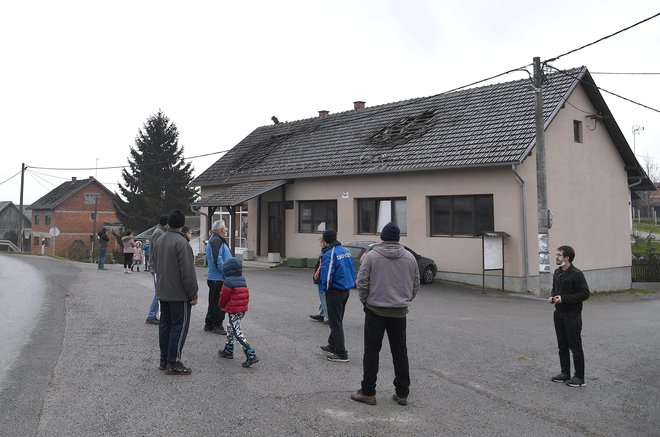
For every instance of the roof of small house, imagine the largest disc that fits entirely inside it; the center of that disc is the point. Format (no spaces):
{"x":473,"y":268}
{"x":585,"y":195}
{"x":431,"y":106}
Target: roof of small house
{"x":485,"y":126}
{"x":61,"y":193}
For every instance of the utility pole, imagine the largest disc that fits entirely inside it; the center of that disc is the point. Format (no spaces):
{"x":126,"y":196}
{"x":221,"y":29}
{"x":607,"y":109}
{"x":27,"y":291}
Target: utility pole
{"x":541,"y":183}
{"x":20,"y":231}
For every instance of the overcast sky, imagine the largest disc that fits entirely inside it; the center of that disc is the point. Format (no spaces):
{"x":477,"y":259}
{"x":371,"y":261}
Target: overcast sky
{"x":79,"y":78}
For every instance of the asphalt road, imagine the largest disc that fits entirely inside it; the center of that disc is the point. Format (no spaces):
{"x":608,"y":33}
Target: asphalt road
{"x":480,"y":363}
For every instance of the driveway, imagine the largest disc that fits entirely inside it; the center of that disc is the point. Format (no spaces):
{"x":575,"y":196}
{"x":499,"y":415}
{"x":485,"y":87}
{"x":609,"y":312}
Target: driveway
{"x":480,"y":365}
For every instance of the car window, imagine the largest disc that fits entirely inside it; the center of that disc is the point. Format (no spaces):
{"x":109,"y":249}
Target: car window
{"x":356,"y":252}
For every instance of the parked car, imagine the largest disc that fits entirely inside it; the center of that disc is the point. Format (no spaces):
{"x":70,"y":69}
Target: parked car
{"x":427,"y":267}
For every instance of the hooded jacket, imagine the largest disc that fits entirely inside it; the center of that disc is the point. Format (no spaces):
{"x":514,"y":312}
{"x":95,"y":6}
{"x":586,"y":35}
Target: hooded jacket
{"x":234,"y":296}
{"x":176,"y":280}
{"x":337,"y":269}
{"x":388,"y":277}
{"x":217,"y":252}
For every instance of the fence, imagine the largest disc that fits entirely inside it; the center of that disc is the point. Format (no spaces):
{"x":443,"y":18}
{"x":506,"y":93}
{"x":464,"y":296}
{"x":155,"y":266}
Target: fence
{"x":646,"y":270}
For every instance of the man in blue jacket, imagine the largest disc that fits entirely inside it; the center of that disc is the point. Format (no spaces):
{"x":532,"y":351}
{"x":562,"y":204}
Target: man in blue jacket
{"x":336,"y":278}
{"x":217,"y":252}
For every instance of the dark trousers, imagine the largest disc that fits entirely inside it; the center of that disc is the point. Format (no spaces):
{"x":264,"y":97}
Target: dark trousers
{"x":128,"y":260}
{"x":336,"y":302}
{"x":102,"y":250}
{"x":569,"y":338}
{"x":214,"y":316}
{"x":374,"y":329}
{"x":173,"y":329}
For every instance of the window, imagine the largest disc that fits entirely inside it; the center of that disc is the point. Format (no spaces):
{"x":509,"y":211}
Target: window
{"x":317,"y":215}
{"x":462,"y":215}
{"x":37,"y":242}
{"x":577,"y":131}
{"x":36,"y":219}
{"x":373,"y":214}
{"x":46,"y":220}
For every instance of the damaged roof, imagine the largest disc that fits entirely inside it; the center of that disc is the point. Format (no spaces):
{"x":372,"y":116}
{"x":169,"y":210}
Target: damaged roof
{"x":485,"y":126}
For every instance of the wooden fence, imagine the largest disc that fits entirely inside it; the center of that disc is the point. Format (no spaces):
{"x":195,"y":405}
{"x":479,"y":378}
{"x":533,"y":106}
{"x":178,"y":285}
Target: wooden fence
{"x":646,"y":270}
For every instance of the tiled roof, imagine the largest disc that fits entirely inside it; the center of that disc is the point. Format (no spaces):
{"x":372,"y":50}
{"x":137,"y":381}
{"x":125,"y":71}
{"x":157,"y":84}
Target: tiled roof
{"x":491,"y":125}
{"x":239,"y":193}
{"x":59,"y":194}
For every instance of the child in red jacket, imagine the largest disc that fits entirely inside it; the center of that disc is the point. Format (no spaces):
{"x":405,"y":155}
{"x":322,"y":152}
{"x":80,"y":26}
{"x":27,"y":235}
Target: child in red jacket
{"x":234,"y":299}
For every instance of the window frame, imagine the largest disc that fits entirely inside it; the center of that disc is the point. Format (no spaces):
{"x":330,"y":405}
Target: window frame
{"x":373,"y":225}
{"x":577,"y":132}
{"x":457,"y":213}
{"x":330,"y":222}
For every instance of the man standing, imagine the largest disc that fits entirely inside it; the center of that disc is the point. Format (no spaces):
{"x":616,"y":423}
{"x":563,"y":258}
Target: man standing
{"x":176,"y":288}
{"x":569,"y":290}
{"x":103,"y":245}
{"x":217,"y":252}
{"x":387,"y":281}
{"x":160,"y":230}
{"x":336,"y":278}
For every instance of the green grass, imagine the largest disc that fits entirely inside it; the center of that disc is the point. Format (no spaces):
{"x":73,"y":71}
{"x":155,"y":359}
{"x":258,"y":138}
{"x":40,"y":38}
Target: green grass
{"x":630,"y":291}
{"x":645,"y":227}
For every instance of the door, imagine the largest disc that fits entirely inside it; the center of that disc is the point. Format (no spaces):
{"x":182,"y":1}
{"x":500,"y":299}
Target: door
{"x":275,"y":213}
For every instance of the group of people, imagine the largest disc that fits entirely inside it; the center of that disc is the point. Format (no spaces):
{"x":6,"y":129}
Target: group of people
{"x":134,"y":253}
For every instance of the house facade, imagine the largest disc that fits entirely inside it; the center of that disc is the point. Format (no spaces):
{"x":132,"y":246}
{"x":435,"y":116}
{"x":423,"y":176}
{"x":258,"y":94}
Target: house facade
{"x":12,"y":223}
{"x":446,"y":169}
{"x":72,"y":213}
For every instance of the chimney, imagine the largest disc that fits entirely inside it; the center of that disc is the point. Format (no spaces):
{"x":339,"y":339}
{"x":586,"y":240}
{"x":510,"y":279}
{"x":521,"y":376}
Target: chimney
{"x":323,"y":113}
{"x":73,"y":178}
{"x":358,"y":105}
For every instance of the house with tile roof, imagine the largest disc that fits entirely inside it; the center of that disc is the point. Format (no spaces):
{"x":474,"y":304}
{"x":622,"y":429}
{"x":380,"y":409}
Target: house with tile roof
{"x":12,"y":222}
{"x":76,"y":210}
{"x":445,"y":168}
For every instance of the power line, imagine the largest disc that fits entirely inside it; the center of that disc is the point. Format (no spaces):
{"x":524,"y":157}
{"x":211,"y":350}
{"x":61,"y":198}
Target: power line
{"x":602,"y":39}
{"x":11,"y":177}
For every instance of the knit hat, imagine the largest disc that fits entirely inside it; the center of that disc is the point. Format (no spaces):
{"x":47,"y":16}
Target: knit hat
{"x":329,"y":236}
{"x":176,"y":219}
{"x":162,"y":220}
{"x":390,"y":232}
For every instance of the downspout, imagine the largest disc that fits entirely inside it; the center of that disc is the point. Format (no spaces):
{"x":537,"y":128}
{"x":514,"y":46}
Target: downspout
{"x":523,"y":197}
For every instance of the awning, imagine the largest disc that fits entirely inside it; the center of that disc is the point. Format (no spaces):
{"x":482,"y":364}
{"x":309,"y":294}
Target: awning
{"x":239,"y":193}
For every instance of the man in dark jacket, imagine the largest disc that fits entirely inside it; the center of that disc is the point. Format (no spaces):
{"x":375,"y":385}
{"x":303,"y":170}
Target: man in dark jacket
{"x":336,"y":278}
{"x":388,"y":281}
{"x":103,"y":245}
{"x":569,"y":290}
{"x":176,"y":288}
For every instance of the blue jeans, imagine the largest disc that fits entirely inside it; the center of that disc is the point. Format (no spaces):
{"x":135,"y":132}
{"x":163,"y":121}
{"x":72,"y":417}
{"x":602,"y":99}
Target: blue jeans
{"x":173,"y":329}
{"x":102,"y":250}
{"x":323,"y":307}
{"x":153,"y":309}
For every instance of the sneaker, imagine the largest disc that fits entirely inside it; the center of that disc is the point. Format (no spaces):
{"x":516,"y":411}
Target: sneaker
{"x":399,"y":399}
{"x":162,"y":366}
{"x":219,"y":330}
{"x":317,"y":317}
{"x":250,"y":361}
{"x":562,"y":377}
{"x":576,"y":382}
{"x":358,"y":396}
{"x":328,"y":350}
{"x":326,"y":322}
{"x":178,"y":369}
{"x":338,"y":358}
{"x":224,"y":353}
{"x":153,"y":321}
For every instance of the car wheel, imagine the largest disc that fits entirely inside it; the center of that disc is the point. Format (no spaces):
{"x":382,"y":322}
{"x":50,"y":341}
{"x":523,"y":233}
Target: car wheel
{"x":428,"y":275}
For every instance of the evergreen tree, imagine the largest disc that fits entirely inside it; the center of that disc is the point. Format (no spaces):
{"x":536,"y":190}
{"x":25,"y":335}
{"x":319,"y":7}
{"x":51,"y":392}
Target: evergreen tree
{"x":157,"y":179}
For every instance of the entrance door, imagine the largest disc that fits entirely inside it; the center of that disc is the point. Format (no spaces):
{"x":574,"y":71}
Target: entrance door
{"x":275,"y":213}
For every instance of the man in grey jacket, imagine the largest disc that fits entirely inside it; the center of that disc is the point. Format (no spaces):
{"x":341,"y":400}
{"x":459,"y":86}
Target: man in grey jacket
{"x":176,"y":289}
{"x":387,"y":281}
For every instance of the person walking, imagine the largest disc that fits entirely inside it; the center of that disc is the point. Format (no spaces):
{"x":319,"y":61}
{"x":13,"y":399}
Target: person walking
{"x":234,"y":299}
{"x":336,"y":278}
{"x":129,"y":247}
{"x":387,"y":281}
{"x":161,"y":228}
{"x":217,"y":252}
{"x":103,"y":246}
{"x":569,"y":290}
{"x":137,"y":256}
{"x":176,"y":288}
{"x":322,"y":314}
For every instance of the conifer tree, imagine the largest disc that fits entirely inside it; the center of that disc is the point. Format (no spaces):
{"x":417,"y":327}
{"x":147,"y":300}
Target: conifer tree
{"x":157,"y":179}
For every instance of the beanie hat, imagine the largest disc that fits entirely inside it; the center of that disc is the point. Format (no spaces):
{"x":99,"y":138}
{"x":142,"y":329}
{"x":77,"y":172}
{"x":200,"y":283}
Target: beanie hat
{"x":390,"y":232}
{"x":162,"y":220}
{"x":176,"y":219}
{"x":329,"y":235}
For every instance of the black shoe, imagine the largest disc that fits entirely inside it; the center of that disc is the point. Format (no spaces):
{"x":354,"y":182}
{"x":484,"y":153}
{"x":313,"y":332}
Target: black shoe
{"x":178,"y":369}
{"x":219,"y":330}
{"x":328,"y":350}
{"x":153,"y":321}
{"x":224,"y":353}
{"x":560,"y":378}
{"x":338,"y":358}
{"x":208,"y":328}
{"x":317,"y":317}
{"x":250,"y":361}
{"x":576,"y":382}
{"x":162,"y":366}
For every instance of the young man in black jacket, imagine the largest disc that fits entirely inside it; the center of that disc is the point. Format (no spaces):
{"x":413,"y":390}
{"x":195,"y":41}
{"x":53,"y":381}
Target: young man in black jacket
{"x":569,"y":290}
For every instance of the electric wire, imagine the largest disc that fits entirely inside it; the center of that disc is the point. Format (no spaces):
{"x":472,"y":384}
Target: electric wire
{"x":11,"y":177}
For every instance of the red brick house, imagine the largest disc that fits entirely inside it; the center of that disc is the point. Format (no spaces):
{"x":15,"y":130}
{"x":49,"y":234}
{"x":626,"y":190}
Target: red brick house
{"x":77,"y":209}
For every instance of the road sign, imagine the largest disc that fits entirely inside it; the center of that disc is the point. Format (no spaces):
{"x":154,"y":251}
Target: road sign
{"x":54,"y":231}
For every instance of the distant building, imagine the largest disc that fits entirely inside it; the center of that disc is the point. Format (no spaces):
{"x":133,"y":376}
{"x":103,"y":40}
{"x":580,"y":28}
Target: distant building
{"x":77,"y":209}
{"x":10,"y":224}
